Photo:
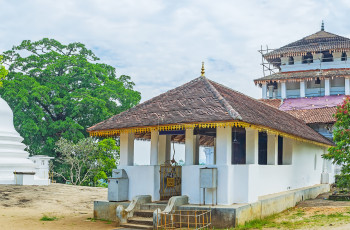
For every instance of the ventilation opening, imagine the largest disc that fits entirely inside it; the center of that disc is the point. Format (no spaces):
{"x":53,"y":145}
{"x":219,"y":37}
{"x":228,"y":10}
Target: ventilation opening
{"x":344,"y":57}
{"x":308,"y":58}
{"x":327,"y":56}
{"x":291,"y":61}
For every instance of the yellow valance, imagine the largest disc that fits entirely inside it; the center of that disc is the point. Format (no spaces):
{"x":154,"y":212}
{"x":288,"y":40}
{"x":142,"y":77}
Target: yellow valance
{"x":116,"y":132}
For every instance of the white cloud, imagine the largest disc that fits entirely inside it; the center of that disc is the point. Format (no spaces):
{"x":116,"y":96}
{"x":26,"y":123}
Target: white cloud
{"x":161,"y":44}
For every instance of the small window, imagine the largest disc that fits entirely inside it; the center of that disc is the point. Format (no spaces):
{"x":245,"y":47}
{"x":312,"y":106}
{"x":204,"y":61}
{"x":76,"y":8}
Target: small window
{"x":291,"y":61}
{"x":238,"y":146}
{"x":280,"y":150}
{"x":327,"y":56}
{"x":344,"y":57}
{"x":262,"y":160}
{"x":308,"y":58}
{"x":42,"y":162}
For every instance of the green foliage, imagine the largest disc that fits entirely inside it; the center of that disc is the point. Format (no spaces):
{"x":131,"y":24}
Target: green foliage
{"x":343,"y":181}
{"x":86,"y":162}
{"x":3,"y":71}
{"x":48,"y":218}
{"x":340,"y":154}
{"x":58,"y":90}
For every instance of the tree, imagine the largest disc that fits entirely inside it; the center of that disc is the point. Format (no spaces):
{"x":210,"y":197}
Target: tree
{"x":340,"y":153}
{"x":3,"y":71}
{"x":58,"y":90}
{"x":87,"y":161}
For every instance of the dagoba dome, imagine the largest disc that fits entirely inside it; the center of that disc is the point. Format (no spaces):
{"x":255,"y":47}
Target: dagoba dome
{"x":13,"y":157}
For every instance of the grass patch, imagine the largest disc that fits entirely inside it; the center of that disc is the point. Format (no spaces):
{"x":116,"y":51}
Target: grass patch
{"x":48,"y":218}
{"x":299,"y":213}
{"x":260,"y":223}
{"x":296,"y":219}
{"x":104,"y":220}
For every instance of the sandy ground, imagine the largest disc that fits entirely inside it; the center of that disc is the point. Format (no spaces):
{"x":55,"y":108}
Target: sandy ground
{"x":22,"y":207}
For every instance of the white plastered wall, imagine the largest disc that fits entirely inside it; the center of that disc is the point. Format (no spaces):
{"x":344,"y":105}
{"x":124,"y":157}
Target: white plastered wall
{"x":143,"y":180}
{"x":305,"y":170}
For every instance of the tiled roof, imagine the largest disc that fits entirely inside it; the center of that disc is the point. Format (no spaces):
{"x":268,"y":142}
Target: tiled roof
{"x":311,"y":116}
{"x":276,"y":103}
{"x":304,"y":75}
{"x":202,"y":100}
{"x":314,"y":43}
{"x":311,"y":110}
{"x":311,"y":102}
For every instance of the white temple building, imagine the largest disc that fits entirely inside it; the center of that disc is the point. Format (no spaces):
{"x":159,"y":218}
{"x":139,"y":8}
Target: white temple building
{"x":16,"y":167}
{"x":258,"y":150}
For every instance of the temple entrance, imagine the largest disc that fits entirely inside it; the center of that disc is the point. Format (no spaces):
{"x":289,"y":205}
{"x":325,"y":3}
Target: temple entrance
{"x":170,"y":181}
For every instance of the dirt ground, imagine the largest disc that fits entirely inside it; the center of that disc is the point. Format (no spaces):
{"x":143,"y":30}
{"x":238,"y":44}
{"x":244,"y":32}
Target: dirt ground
{"x":71,"y":207}
{"x":22,"y":207}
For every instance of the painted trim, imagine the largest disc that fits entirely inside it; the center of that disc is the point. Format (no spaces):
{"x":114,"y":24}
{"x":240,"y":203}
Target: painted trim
{"x":116,"y":132}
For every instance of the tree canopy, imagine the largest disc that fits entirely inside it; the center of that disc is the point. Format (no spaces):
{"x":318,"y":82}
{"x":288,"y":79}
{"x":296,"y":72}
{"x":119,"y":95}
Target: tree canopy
{"x":87,"y":161}
{"x":340,"y":153}
{"x":58,"y":90}
{"x":3,"y":71}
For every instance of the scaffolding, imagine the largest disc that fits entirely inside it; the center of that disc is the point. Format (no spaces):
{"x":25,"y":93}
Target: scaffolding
{"x":268,"y":67}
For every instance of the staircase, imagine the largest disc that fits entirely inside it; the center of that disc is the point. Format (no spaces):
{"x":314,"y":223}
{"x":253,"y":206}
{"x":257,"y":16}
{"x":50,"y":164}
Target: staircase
{"x":143,"y":218}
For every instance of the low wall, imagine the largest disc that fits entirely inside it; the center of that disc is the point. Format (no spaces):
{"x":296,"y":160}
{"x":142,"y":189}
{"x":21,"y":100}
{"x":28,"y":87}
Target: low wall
{"x":106,"y":210}
{"x":275,"y":203}
{"x":228,"y":216}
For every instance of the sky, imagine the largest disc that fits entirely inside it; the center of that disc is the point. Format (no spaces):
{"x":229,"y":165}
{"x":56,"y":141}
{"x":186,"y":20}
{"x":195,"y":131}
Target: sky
{"x":161,"y":44}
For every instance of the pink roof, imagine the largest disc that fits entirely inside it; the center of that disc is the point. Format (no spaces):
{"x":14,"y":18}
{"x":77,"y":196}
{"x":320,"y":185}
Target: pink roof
{"x":311,"y":103}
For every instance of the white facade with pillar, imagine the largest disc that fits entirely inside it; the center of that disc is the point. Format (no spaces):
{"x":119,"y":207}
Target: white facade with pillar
{"x":327,"y":87}
{"x":191,"y":148}
{"x":127,"y":148}
{"x":237,"y":183}
{"x":302,"y":89}
{"x":272,"y":149}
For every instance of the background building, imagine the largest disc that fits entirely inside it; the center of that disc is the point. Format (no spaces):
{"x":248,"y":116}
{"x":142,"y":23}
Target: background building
{"x":309,"y":78}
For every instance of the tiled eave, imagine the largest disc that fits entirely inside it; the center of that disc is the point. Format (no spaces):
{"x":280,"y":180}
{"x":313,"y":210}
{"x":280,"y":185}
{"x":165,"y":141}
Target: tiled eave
{"x":307,"y":75}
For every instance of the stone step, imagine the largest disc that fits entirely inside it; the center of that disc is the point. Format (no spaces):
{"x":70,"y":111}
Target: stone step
{"x":144,"y":213}
{"x":141,"y":220}
{"x":136,"y":226}
{"x":153,"y":206}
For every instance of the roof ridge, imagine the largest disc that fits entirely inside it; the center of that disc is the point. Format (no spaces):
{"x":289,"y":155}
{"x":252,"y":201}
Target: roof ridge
{"x":232,"y":112}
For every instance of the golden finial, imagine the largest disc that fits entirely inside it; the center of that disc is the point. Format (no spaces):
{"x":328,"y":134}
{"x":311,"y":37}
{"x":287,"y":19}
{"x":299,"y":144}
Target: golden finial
{"x":203,"y":71}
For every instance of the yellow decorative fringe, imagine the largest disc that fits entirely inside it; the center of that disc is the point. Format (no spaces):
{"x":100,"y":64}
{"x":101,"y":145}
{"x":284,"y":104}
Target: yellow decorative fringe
{"x":117,"y":132}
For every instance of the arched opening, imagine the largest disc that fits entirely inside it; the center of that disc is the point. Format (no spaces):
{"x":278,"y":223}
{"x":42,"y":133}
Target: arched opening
{"x":327,"y":56}
{"x":308,"y":58}
{"x":291,"y":61}
{"x":344,"y":57}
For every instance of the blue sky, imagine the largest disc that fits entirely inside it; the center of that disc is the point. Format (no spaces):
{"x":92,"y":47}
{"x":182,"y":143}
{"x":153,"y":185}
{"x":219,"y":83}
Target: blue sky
{"x":161,"y":44}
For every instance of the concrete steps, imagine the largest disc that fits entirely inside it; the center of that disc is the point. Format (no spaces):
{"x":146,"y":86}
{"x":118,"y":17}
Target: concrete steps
{"x":144,"y":213}
{"x":136,"y":226}
{"x":153,"y":206}
{"x":143,"y":218}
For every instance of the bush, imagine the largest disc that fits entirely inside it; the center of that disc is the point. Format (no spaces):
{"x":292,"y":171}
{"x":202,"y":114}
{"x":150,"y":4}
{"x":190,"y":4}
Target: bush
{"x":343,"y":181}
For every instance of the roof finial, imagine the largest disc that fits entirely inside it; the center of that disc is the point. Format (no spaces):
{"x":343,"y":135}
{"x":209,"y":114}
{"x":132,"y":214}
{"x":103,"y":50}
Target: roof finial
{"x":322,"y":26}
{"x":203,"y":71}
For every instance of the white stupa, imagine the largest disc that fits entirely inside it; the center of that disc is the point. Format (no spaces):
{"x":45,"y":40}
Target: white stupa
{"x":15,"y":165}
